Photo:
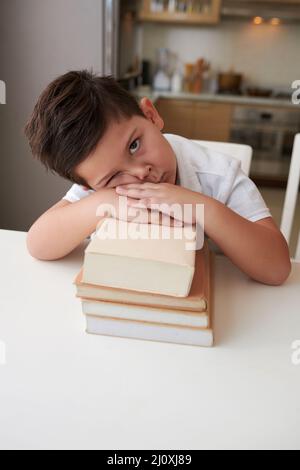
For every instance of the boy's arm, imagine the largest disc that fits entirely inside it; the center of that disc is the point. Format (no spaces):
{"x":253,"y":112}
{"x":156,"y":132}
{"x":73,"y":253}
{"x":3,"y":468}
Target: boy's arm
{"x":65,"y":225}
{"x":257,"y":248}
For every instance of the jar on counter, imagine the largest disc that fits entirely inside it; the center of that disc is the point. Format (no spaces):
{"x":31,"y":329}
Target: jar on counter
{"x":176,"y":82}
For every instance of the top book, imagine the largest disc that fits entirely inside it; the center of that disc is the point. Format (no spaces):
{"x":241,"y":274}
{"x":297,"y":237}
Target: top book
{"x":141,"y":257}
{"x":197,"y":300}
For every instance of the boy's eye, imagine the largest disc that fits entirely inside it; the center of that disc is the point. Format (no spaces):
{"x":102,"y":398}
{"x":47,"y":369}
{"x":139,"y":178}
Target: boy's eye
{"x":134,"y":144}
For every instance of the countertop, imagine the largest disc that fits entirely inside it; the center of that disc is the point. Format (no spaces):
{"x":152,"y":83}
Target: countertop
{"x":216,"y":98}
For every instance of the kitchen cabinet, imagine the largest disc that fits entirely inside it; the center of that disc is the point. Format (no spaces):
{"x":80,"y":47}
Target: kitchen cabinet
{"x":178,"y":116}
{"x":181,"y":12}
{"x":212,"y":121}
{"x":196,"y":120}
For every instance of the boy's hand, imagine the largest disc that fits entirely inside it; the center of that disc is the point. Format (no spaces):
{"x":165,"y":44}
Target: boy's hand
{"x":143,"y":195}
{"x":109,"y":200}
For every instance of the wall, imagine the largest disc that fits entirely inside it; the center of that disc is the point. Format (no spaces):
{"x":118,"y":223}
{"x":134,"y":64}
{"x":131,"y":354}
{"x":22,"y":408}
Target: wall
{"x":267,"y":55}
{"x":40,"y":39}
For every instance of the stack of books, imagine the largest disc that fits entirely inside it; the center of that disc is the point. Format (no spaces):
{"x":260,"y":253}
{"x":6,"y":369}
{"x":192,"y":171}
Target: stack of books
{"x":156,"y":288}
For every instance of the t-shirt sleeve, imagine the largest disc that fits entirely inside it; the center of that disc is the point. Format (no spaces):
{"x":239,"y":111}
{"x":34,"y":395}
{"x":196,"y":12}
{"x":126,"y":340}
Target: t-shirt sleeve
{"x":246,"y":200}
{"x":238,"y":192}
{"x":77,"y":192}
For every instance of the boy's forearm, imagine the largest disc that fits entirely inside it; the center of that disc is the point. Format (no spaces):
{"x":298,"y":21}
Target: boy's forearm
{"x":260,"y":252}
{"x":57,"y":233}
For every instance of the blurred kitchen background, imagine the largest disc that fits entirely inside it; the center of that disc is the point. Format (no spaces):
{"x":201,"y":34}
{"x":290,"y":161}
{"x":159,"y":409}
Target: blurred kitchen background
{"x":217,"y":70}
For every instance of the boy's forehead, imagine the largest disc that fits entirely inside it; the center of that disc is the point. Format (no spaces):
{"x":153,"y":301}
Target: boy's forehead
{"x":118,"y":130}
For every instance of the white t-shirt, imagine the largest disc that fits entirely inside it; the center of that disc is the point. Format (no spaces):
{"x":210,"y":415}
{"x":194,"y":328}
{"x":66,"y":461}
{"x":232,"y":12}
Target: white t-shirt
{"x":209,"y":172}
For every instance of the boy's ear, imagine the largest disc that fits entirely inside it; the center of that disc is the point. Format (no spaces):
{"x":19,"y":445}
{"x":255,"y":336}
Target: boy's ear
{"x":151,"y":113}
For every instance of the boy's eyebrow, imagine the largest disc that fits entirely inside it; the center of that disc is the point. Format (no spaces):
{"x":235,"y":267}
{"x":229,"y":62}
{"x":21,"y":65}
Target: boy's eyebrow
{"x":127,"y":144}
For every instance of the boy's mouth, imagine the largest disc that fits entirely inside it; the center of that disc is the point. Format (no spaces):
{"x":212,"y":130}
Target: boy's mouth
{"x":162,"y":178}
{"x":159,"y":180}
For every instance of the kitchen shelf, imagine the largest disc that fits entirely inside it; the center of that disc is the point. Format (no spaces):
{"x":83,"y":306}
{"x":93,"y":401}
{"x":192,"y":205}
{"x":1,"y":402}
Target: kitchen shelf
{"x":210,"y":15}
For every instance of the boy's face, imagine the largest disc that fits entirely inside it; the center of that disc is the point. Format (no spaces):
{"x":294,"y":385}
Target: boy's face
{"x":132,"y":151}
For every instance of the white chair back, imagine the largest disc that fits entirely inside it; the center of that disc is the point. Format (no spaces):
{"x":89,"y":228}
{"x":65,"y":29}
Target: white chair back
{"x":239,"y":151}
{"x":291,"y":196}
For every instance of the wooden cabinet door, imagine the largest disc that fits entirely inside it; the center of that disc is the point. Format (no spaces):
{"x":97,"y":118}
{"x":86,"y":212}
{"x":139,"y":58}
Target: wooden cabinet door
{"x":178,"y":116}
{"x":195,"y":119}
{"x":212,"y":121}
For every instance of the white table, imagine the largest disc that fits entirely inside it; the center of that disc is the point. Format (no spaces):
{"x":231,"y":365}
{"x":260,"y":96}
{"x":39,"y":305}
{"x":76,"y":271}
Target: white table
{"x":61,"y":388}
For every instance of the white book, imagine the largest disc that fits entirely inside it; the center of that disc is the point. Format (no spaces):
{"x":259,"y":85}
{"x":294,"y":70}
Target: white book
{"x":161,"y":266}
{"x":145,"y":314}
{"x":149,"y":331}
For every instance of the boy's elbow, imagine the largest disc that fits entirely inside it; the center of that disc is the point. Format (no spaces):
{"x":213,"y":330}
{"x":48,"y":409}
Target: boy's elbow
{"x":33,"y":247}
{"x":37,"y":247}
{"x":281,"y":275}
{"x":281,"y":270}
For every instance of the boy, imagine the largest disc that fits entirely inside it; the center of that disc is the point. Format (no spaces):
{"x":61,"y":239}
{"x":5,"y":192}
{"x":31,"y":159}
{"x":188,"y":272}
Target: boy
{"x":91,"y":131}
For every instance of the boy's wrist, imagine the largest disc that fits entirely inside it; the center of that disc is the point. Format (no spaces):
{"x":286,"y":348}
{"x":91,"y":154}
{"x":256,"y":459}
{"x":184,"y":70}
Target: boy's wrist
{"x":210,"y":210}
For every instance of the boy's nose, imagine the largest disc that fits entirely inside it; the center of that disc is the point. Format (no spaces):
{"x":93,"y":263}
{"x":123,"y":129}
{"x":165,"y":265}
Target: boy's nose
{"x":142,"y":173}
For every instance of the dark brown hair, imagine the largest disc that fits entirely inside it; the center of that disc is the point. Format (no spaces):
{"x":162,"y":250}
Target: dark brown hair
{"x":72,"y":115}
